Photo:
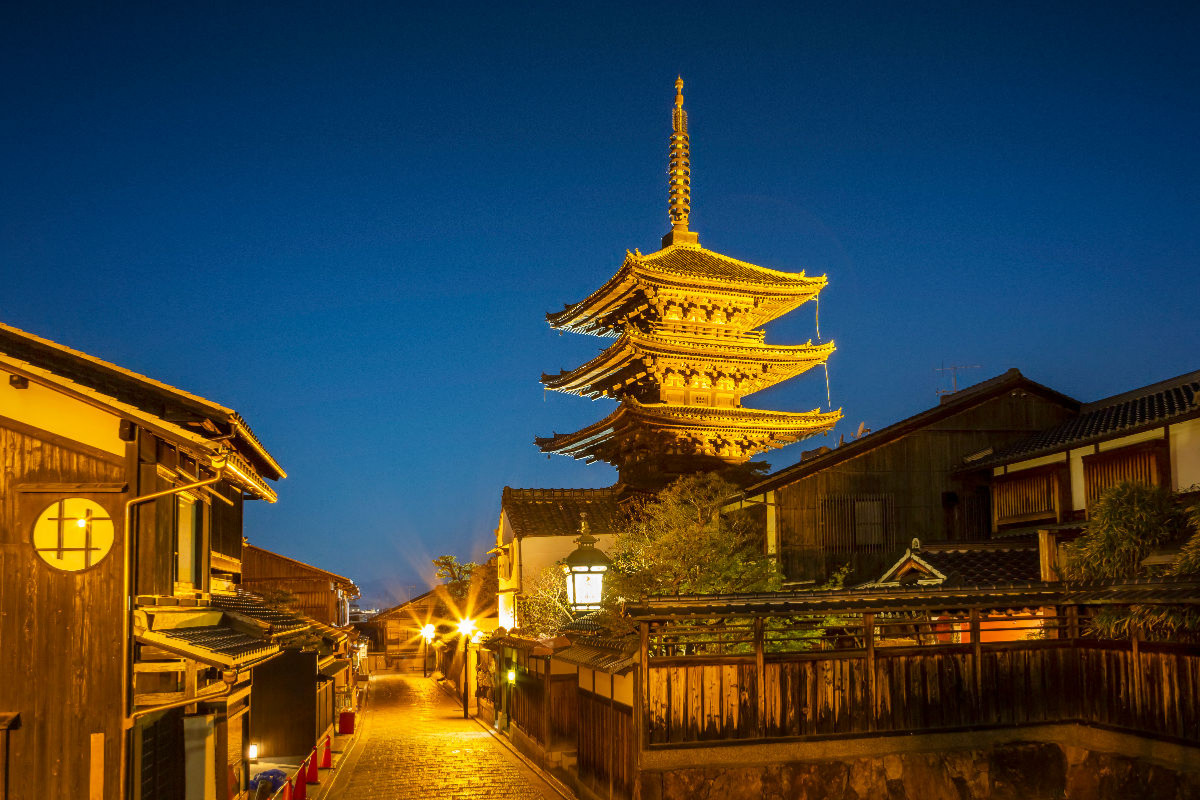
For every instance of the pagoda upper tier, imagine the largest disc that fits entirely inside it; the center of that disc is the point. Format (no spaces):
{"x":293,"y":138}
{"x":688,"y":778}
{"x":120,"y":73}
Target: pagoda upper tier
{"x":685,"y":287}
{"x":689,"y":348}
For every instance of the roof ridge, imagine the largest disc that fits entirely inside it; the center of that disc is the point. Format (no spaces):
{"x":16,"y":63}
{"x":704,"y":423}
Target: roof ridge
{"x":1144,"y":391}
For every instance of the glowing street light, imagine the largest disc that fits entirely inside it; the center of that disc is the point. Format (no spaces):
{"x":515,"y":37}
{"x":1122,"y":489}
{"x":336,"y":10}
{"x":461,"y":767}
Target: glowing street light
{"x":584,"y":569}
{"x":465,"y":628}
{"x":427,"y":633}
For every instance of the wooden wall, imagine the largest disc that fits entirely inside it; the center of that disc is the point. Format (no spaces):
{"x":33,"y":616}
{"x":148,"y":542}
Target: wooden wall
{"x":283,"y":705}
{"x":60,"y":657}
{"x":915,"y":690}
{"x":912,"y":473}
{"x":607,"y":744}
{"x":315,"y":595}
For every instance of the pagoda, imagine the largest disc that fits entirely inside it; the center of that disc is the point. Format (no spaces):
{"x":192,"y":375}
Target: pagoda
{"x":689,"y":346}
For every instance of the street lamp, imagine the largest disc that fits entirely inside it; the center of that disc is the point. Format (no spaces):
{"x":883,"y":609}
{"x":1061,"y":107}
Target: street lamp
{"x":584,"y":569}
{"x":465,"y":628}
{"x":427,"y":634}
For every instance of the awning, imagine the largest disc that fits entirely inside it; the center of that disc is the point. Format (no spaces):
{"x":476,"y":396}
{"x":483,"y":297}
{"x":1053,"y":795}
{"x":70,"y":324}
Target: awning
{"x":598,"y":658}
{"x":333,"y":670}
{"x":217,"y":645}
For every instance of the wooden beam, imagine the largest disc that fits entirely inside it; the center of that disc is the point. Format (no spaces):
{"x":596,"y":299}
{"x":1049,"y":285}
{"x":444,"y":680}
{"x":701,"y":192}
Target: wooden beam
{"x":868,"y":621}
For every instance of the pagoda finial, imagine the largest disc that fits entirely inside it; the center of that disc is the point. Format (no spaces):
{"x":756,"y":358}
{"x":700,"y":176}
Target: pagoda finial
{"x":679,"y":175}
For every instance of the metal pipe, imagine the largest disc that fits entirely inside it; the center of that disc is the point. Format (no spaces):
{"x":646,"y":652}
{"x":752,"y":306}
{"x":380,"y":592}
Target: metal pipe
{"x":217,"y":463}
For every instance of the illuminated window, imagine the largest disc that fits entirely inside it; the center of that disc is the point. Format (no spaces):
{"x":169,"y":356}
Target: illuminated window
{"x":189,"y":538}
{"x":73,"y":534}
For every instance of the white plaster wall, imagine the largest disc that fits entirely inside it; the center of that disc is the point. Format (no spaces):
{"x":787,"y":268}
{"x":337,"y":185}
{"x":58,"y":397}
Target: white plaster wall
{"x":1056,"y":458}
{"x":53,"y":411}
{"x":1185,"y":454}
{"x":1078,"y":489}
{"x":1136,"y":438}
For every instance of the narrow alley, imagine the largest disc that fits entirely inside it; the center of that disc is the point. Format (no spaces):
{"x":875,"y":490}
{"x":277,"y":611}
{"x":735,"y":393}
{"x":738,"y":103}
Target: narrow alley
{"x":416,"y":744}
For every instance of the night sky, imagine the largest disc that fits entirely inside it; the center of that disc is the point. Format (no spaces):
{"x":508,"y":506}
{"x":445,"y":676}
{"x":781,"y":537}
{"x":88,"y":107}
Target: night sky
{"x":347,"y":221}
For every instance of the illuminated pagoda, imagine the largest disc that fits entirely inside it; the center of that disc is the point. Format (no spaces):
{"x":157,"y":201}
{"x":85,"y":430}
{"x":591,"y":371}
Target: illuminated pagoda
{"x":689,"y":346}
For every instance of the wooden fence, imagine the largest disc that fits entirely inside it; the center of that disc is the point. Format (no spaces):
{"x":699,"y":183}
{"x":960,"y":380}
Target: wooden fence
{"x":607,"y":743}
{"x":1147,"y":689}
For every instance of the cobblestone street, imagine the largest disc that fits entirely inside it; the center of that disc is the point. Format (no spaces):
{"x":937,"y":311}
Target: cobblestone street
{"x":415,"y":744}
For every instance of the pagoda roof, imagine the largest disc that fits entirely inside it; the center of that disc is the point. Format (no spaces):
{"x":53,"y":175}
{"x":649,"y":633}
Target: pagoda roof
{"x":683,"y":266}
{"x":757,"y":430}
{"x":625,"y":361}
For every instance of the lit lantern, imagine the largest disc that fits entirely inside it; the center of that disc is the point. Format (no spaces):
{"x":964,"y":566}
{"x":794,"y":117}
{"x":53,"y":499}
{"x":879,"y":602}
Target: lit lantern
{"x":512,"y":676}
{"x":584,"y":569}
{"x":252,"y":752}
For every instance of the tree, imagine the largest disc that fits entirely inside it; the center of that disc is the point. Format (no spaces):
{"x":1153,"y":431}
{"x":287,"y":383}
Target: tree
{"x":471,"y":585}
{"x":679,"y":542}
{"x":1129,"y":522}
{"x":542,"y":607}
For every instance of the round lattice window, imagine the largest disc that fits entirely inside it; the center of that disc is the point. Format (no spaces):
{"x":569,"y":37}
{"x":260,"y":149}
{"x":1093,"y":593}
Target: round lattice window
{"x":73,"y":534}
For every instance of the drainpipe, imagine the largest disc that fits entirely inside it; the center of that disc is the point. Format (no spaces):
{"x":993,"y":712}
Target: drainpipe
{"x":229,"y":677}
{"x":217,"y":462}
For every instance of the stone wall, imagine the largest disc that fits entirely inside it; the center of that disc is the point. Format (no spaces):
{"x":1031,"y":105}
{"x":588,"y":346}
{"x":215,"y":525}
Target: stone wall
{"x":1009,"y":771}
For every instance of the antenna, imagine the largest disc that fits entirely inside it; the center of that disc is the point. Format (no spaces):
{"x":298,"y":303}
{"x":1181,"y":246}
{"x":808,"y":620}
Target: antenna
{"x":953,"y":370}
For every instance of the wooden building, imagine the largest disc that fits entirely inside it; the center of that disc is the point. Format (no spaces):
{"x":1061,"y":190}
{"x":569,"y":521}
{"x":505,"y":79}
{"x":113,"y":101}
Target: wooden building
{"x":1048,"y":481}
{"x":323,"y":595}
{"x":689,"y":346}
{"x":395,"y":634}
{"x":120,"y":516}
{"x":860,"y":502}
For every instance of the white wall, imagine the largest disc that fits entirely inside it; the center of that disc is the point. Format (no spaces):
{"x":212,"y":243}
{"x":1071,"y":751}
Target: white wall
{"x":51,"y":410}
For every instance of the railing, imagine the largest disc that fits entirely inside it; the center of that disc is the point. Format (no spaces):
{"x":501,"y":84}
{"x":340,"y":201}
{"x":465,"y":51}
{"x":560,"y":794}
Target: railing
{"x":906,"y":672}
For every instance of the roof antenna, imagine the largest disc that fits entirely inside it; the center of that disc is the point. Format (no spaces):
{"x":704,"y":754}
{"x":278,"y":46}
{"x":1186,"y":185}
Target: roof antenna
{"x":953,"y":370}
{"x":680,"y":176}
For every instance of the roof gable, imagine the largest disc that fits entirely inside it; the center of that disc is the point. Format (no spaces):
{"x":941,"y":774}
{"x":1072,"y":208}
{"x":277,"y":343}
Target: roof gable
{"x":960,"y":401}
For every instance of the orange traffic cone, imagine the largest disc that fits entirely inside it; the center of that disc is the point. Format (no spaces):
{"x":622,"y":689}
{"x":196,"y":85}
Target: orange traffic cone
{"x":301,"y":792}
{"x":287,"y":790}
{"x":327,"y":755}
{"x":313,"y":775}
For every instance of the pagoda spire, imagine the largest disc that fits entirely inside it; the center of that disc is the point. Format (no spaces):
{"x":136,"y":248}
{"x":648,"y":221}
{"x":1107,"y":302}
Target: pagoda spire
{"x":680,"y":175}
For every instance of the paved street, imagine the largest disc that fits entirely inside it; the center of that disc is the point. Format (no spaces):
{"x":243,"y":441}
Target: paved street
{"x":415,"y":744}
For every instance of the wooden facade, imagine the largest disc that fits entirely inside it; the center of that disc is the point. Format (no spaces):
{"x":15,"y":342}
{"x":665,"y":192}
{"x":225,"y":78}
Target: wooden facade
{"x":863,"y":501}
{"x":320,"y":594}
{"x":97,"y":615}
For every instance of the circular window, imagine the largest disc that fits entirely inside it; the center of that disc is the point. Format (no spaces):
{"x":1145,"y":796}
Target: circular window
{"x":73,"y":534}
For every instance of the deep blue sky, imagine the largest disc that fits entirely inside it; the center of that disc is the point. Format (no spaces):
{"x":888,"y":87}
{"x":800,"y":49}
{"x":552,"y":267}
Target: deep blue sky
{"x":347,"y":220}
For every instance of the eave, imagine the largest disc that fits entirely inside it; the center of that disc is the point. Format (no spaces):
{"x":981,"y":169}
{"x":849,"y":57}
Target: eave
{"x":618,"y":366}
{"x":759,"y":430}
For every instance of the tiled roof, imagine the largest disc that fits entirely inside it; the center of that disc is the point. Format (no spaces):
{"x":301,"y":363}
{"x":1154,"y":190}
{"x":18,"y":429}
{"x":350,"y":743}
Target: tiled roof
{"x":555,"y":512}
{"x":602,"y":655}
{"x":245,"y":604}
{"x":1124,"y":413}
{"x":696,"y":261}
{"x":985,"y":566}
{"x":1184,"y":591}
{"x":220,"y":639}
{"x":137,"y":390}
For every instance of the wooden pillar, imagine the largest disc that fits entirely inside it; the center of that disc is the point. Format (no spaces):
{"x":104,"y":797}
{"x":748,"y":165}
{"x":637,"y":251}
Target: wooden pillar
{"x":760,"y":676}
{"x":868,"y":621}
{"x":612,"y":731}
{"x":1136,"y":676}
{"x":977,"y":662}
{"x":1072,"y":622}
{"x":643,"y":705}
{"x":547,"y":694}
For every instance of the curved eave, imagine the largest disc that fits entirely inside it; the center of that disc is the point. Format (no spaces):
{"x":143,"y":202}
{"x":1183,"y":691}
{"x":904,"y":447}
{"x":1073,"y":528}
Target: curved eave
{"x":770,"y":364}
{"x":780,"y":292}
{"x":771,"y":428}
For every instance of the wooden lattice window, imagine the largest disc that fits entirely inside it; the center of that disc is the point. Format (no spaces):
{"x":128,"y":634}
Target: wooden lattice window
{"x":1140,"y":463}
{"x":1032,"y":495}
{"x":858,"y":522}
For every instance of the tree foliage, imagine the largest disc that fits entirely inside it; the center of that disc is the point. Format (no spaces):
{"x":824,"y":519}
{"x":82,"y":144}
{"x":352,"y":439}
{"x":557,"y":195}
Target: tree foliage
{"x":679,"y":542}
{"x":542,"y":608}
{"x":1128,"y":523}
{"x":471,"y":585}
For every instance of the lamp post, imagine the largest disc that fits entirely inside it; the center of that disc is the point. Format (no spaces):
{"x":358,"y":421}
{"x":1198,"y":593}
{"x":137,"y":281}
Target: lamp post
{"x":465,"y":628}
{"x":427,"y":634}
{"x":584,"y":570}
